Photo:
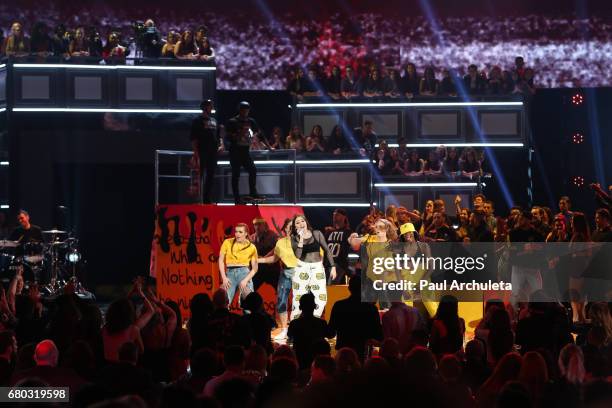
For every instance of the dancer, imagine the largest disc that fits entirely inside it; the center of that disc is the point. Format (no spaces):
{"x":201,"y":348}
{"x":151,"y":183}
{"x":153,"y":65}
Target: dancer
{"x":235,"y":257}
{"x":283,"y":252}
{"x":309,"y":274}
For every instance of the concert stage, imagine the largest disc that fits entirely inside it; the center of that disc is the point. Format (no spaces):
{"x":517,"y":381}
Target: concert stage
{"x":186,"y":244}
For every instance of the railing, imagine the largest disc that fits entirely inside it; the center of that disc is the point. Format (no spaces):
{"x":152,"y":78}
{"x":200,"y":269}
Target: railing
{"x":276,"y":176}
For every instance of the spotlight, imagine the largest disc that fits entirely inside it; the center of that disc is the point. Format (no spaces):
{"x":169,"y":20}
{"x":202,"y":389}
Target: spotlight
{"x":578,"y":181}
{"x":577,"y":99}
{"x":577,"y":138}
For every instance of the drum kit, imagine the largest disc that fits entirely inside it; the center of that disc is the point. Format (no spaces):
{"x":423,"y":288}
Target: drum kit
{"x":52,"y":263}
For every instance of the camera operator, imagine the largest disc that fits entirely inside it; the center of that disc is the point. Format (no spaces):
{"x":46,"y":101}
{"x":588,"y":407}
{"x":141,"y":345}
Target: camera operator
{"x":148,"y":39}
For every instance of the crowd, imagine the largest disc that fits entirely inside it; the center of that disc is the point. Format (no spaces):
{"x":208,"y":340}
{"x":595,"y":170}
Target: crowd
{"x":438,"y":162}
{"x":255,"y":53}
{"x":537,"y":352}
{"x":383,"y":83}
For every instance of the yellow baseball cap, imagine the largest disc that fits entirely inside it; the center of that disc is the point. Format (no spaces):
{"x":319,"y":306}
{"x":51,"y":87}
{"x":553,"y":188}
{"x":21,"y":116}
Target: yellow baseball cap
{"x":407,"y":227}
{"x":258,"y":220}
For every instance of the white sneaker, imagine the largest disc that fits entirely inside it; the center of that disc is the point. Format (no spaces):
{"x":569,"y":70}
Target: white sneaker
{"x":282,"y":335}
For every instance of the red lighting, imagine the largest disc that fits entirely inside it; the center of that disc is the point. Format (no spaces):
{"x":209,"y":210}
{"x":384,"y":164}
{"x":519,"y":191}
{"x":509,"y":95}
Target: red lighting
{"x":577,"y":138}
{"x":577,"y":99}
{"x":578,"y":181}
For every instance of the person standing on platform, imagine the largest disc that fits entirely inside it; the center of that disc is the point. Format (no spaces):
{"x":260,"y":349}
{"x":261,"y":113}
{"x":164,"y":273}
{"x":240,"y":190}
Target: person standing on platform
{"x":236,"y":256}
{"x":264,"y":240}
{"x":283,"y":252}
{"x":309,"y":274}
{"x":337,"y":240}
{"x":205,"y":142}
{"x":241,"y":129}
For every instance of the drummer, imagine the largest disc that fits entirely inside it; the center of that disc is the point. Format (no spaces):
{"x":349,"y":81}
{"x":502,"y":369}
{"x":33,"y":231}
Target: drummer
{"x":26,"y":233}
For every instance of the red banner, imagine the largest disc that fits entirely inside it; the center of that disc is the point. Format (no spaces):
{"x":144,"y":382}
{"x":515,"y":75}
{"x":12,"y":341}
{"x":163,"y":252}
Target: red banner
{"x":186,"y":244}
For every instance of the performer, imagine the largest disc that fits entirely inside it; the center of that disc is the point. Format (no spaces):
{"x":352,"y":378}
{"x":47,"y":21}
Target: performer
{"x":377,"y":245}
{"x":264,"y":240}
{"x":241,"y":128}
{"x":337,"y":239}
{"x":26,"y":232}
{"x":309,"y":274}
{"x":283,"y":252}
{"x":236,"y":256}
{"x":205,"y":142}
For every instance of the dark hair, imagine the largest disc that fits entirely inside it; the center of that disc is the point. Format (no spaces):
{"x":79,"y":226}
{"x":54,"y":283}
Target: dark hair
{"x":233,"y":356}
{"x":179,"y":319}
{"x":307,"y":302}
{"x":293,"y":229}
{"x":580,"y":227}
{"x":204,"y":363}
{"x":448,"y":313}
{"x":284,"y":369}
{"x":204,"y":104}
{"x":252,"y":302}
{"x":119,"y":316}
{"x":201,"y":306}
{"x":326,"y":364}
{"x":513,"y":394}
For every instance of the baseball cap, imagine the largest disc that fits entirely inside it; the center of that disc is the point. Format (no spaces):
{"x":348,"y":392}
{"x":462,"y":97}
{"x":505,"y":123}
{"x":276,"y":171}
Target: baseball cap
{"x":258,"y":220}
{"x":244,"y":105}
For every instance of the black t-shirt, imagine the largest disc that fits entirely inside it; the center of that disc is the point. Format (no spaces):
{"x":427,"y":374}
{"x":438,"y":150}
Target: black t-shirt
{"x":355,"y":322}
{"x":237,"y":129}
{"x":204,"y":129}
{"x":337,"y":242}
{"x":305,"y":331}
{"x":33,"y":234}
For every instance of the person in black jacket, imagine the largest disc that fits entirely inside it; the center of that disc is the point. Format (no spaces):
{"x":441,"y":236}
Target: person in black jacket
{"x":354,"y":321}
{"x":205,"y":142}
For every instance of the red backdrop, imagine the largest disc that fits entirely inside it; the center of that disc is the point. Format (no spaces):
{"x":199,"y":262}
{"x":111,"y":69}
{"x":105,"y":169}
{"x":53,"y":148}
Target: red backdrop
{"x":186,"y":243}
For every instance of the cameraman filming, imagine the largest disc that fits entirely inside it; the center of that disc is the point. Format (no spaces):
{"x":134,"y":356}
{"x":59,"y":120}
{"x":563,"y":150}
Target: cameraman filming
{"x":148,"y":39}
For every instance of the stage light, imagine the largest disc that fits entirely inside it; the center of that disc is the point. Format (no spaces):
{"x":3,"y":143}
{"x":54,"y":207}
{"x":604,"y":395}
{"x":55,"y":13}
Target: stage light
{"x":425,"y":185}
{"x":116,"y":67}
{"x":577,"y":99}
{"x":578,"y":181}
{"x":4,"y":206}
{"x":414,"y":145}
{"x":405,"y":104}
{"x":106,"y":110}
{"x":577,"y":138}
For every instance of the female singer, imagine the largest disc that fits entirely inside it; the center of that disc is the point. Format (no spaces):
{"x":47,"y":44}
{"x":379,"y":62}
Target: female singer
{"x":378,"y":246}
{"x":309,"y":274}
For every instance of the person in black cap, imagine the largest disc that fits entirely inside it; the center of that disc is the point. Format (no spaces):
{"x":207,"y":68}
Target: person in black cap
{"x":241,"y":129}
{"x":205,"y":142}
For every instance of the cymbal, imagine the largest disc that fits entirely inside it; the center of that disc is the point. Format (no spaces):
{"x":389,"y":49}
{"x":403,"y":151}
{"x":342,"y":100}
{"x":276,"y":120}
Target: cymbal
{"x":54,"y":231}
{"x":5,"y":243}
